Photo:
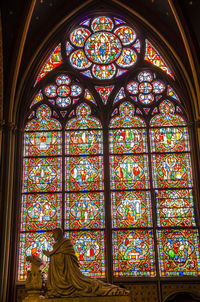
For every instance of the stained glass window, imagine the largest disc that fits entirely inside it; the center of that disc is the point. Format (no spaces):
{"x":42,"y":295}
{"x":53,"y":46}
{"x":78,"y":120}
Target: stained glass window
{"x":107,"y":157}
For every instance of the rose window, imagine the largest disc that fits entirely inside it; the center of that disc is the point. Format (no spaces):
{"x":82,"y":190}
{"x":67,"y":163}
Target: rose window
{"x":103,"y":48}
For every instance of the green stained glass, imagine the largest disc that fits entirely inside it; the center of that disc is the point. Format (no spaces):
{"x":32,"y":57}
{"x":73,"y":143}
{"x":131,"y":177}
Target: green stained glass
{"x":129,"y":172}
{"x":41,"y":212}
{"x":44,"y":121}
{"x":81,"y":142}
{"x":84,"y":173}
{"x":169,"y":139}
{"x":172,"y":171}
{"x":128,"y":140}
{"x":42,"y":143}
{"x":131,"y":209}
{"x":175,"y":208}
{"x":84,"y":210}
{"x":42,"y":174}
{"x":89,"y":248}
{"x":133,"y":253}
{"x":33,"y":244}
{"x":179,"y":253}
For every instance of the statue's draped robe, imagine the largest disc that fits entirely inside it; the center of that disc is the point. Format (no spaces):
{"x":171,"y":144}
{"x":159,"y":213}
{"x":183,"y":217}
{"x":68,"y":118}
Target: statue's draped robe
{"x":65,"y":278}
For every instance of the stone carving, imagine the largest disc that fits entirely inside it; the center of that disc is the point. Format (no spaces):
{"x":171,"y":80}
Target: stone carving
{"x":34,"y":278}
{"x":65,"y":278}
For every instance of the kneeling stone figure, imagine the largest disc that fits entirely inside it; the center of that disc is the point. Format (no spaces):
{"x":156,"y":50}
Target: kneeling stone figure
{"x":65,"y":278}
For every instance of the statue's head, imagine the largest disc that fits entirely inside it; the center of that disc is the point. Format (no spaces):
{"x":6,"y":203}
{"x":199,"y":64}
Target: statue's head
{"x":57,"y":234}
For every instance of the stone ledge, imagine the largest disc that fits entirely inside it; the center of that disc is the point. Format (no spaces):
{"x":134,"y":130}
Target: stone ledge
{"x":81,"y":299}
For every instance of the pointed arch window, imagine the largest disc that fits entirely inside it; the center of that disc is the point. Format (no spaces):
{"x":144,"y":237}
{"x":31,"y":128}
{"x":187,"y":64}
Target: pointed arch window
{"x":107,"y":157}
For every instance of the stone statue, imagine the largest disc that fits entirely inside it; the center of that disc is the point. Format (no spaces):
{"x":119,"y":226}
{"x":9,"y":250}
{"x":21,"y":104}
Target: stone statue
{"x":65,"y":278}
{"x":34,"y":278}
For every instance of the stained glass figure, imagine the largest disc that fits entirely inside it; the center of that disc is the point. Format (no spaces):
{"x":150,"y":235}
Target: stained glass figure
{"x":133,"y":253}
{"x":153,"y":56}
{"x":79,"y":36}
{"x":102,"y":23}
{"x":41,"y":212}
{"x":84,"y":173}
{"x":172,"y":93}
{"x":42,"y":174}
{"x":127,"y":118}
{"x":127,"y":58}
{"x":169,"y":139}
{"x":37,"y":99}
{"x":126,"y":34}
{"x":128,"y":172}
{"x":42,"y":143}
{"x":128,"y":140}
{"x":83,"y":142}
{"x":89,"y":249}
{"x":167,"y":116}
{"x":43,"y":121}
{"x":175,"y":208}
{"x":33,"y":244}
{"x":63,"y":91}
{"x":104,"y":92}
{"x":179,"y":252}
{"x":119,"y":96}
{"x":104,"y":71}
{"x":79,"y":60}
{"x":84,"y":210}
{"x":131,"y":209}
{"x":172,"y":170}
{"x":52,"y":62}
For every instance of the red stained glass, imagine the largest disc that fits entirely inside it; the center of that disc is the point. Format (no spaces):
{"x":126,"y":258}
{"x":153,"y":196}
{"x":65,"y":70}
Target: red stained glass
{"x":172,"y":171}
{"x":44,"y":121}
{"x":175,"y":208}
{"x":53,"y":61}
{"x":33,"y":244}
{"x":131,"y":209}
{"x":42,"y":174}
{"x":128,"y":172}
{"x":104,"y":92}
{"x":179,"y":253}
{"x":153,"y":56}
{"x":84,"y":210}
{"x":133,"y":253}
{"x":84,"y":173}
{"x":42,"y":143}
{"x":41,"y":212}
{"x":89,"y":249}
{"x":169,"y":139}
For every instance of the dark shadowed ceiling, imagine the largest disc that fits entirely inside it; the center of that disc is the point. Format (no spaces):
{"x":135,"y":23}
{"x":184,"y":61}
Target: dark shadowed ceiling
{"x":47,"y":13}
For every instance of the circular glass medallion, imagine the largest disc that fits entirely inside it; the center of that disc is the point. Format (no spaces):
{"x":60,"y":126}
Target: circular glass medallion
{"x":63,"y":102}
{"x":79,"y":35}
{"x":127,"y":58}
{"x":102,"y":23}
{"x":103,"y":48}
{"x":103,"y":72}
{"x":126,"y":34}
{"x":146,"y":98}
{"x":145,"y":76}
{"x":75,"y":90}
{"x":79,"y":60}
{"x":63,"y":79}
{"x":63,"y":90}
{"x":158,"y":87}
{"x":133,"y":88}
{"x":50,"y":91}
{"x":145,"y":87}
